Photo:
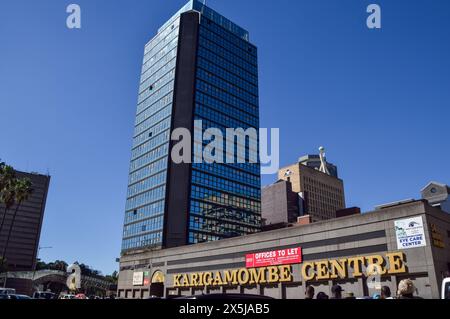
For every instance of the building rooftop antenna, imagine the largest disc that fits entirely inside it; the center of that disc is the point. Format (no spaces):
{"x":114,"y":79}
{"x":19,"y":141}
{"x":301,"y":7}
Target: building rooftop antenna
{"x":323,"y":161}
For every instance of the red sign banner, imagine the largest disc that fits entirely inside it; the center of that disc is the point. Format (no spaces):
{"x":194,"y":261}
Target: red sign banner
{"x":274,"y":258}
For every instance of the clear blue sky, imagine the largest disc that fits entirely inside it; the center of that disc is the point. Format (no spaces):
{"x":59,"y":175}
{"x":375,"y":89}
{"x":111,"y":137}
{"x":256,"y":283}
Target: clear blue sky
{"x":377,"y":100}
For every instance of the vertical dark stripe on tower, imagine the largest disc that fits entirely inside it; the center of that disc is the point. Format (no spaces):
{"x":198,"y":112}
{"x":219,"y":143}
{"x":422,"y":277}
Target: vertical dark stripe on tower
{"x":179,"y":175}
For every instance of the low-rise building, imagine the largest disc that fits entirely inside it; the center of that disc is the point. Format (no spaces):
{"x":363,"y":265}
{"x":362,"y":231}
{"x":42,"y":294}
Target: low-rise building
{"x":360,"y":252}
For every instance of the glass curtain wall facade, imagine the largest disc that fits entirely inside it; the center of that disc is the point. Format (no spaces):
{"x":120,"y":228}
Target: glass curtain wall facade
{"x":222,"y":200}
{"x":225,"y":198}
{"x":144,"y":216}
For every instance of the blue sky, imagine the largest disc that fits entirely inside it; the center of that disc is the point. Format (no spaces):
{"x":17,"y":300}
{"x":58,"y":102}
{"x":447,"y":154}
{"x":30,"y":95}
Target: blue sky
{"x":378,"y":100}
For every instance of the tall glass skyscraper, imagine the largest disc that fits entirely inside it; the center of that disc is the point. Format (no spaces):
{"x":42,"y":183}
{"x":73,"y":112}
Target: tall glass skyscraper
{"x":200,"y":66}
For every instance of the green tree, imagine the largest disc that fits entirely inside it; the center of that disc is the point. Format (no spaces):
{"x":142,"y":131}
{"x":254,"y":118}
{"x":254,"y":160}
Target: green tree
{"x":22,"y":189}
{"x":7,"y":189}
{"x":3,"y":265}
{"x":113,"y":278}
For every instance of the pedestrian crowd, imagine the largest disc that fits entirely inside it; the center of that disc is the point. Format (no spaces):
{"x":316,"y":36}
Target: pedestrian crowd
{"x":406,"y":290}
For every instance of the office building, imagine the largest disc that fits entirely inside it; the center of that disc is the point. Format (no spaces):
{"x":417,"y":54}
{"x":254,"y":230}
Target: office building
{"x":313,"y":161}
{"x":407,"y":240}
{"x":199,"y":67}
{"x":23,"y":245}
{"x":279,"y":204}
{"x":321,"y":194}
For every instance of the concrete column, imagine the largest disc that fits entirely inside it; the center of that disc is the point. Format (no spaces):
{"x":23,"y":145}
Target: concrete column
{"x":362,"y":289}
{"x":394,"y":286}
{"x":303,"y":290}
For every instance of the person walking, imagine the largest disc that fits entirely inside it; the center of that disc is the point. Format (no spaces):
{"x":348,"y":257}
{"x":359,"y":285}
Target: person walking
{"x":322,"y":296}
{"x":386,"y":293}
{"x":406,"y":290}
{"x":309,"y":293}
{"x":336,"y":292}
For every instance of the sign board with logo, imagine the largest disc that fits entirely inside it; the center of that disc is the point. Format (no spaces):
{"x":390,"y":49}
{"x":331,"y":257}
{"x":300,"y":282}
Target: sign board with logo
{"x":138,"y":278}
{"x":410,"y":233}
{"x":274,"y":258}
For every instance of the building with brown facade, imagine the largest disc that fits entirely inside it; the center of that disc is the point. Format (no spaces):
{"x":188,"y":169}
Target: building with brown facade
{"x":280,"y":205}
{"x":23,"y":245}
{"x":321,"y":194}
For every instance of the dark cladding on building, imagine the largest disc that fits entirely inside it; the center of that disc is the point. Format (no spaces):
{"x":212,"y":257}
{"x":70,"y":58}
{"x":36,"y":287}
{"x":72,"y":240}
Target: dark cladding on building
{"x":23,"y":245}
{"x":199,"y":67}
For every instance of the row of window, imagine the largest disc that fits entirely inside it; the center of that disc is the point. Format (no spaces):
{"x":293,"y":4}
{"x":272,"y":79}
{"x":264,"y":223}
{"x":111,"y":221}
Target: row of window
{"x":158,"y":94}
{"x":162,"y":81}
{"x":146,"y":198}
{"x":247,"y":115}
{"x":196,"y":238}
{"x":227,"y":55}
{"x":237,"y":41}
{"x":149,"y":157}
{"x":146,"y":184}
{"x":160,"y":52}
{"x":153,"y":143}
{"x":148,"y":211}
{"x":221,"y":184}
{"x":152,"y":80}
{"x":230,"y":66}
{"x":247,"y":217}
{"x":220,"y":228}
{"x":153,"y":68}
{"x":226,"y":97}
{"x":146,"y":226}
{"x":226,"y":171}
{"x":215,"y":17}
{"x":147,"y":124}
{"x":234,"y":136}
{"x":222,"y":198}
{"x":240,"y":141}
{"x":219,"y":117}
{"x":159,"y":41}
{"x":226,"y":86}
{"x":213,"y":37}
{"x":228,"y":76}
{"x":209,"y":154}
{"x":155,"y":107}
{"x":149,"y":240}
{"x":148,"y":170}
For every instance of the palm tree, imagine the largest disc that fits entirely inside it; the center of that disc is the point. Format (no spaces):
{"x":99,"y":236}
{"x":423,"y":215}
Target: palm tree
{"x":7,"y":189}
{"x":22,"y":191}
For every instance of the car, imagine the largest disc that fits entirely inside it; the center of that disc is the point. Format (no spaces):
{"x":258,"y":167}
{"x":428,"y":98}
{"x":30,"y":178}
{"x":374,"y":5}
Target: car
{"x":226,"y":297}
{"x":7,"y":291}
{"x":67,"y":297}
{"x":17,"y":297}
{"x":44,"y":295}
{"x":446,"y":288}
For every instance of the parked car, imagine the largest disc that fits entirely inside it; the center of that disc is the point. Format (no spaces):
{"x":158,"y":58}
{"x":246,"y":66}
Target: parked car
{"x":7,"y":291}
{"x":227,"y":297}
{"x":44,"y":295}
{"x":67,"y":297}
{"x":446,"y":288}
{"x":16,"y":297}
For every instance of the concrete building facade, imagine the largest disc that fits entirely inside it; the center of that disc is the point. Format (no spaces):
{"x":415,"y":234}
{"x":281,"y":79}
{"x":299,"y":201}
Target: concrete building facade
{"x":338,"y":251}
{"x":322,"y":194}
{"x":23,"y":245}
{"x":279,"y":204}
